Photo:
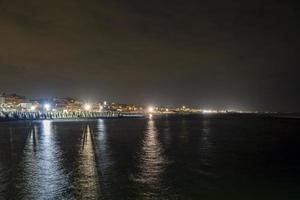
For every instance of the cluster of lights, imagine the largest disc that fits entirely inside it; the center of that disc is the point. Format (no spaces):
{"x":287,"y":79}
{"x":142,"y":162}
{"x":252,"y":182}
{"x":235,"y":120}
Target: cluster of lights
{"x":152,"y":109}
{"x":209,"y":111}
{"x":47,"y":107}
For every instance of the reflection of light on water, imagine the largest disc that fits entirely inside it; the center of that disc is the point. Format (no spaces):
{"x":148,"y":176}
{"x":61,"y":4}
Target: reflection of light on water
{"x":103,"y":157}
{"x":152,"y":162}
{"x":47,"y":127}
{"x":43,"y":173}
{"x":102,"y":132}
{"x":167,"y":132}
{"x":88,"y":178}
{"x":205,"y":143}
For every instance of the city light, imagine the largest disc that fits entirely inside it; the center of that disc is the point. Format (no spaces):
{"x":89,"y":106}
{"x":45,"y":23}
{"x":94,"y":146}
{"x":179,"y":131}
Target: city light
{"x":47,"y":106}
{"x":66,"y":107}
{"x":150,"y":109}
{"x":209,"y":111}
{"x":32,"y":108}
{"x":87,"y":107}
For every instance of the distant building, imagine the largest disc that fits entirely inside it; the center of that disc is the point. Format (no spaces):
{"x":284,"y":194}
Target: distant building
{"x":67,"y":104}
{"x":14,"y":99}
{"x":26,"y":106}
{"x":124,"y":107}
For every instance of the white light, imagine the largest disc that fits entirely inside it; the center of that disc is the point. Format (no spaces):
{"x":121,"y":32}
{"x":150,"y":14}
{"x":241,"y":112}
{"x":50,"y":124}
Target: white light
{"x":105,"y":103}
{"x":167,"y":110}
{"x":32,"y":108}
{"x":87,"y":107}
{"x":150,"y":116}
{"x":101,"y":108}
{"x":47,"y":106}
{"x":209,"y":111}
{"x":150,"y":109}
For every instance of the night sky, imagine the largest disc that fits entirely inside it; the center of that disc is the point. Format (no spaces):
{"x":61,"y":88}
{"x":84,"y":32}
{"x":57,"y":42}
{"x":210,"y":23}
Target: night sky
{"x":213,"y":54}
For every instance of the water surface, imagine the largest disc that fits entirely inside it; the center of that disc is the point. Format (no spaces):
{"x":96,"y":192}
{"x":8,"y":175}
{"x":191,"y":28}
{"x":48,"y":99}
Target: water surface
{"x":168,"y":157}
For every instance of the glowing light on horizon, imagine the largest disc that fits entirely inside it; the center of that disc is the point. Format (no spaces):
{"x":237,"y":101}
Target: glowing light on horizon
{"x":150,"y":109}
{"x":47,"y":106}
{"x":33,"y":108}
{"x":209,"y":111}
{"x":87,"y":107}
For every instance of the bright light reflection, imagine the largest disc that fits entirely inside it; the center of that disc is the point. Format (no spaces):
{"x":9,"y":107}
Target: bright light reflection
{"x":103,"y":154}
{"x":43,"y":174}
{"x":47,"y":127}
{"x":152,"y":160}
{"x":87,"y":166}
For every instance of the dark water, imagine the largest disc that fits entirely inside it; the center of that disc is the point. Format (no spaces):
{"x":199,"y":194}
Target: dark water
{"x":175,"y":157}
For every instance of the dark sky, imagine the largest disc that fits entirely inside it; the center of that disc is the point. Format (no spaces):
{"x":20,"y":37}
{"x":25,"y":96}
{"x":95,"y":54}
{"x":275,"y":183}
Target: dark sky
{"x":216,"y":53}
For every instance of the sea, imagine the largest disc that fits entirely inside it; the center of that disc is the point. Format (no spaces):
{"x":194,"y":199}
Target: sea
{"x":201,"y":157}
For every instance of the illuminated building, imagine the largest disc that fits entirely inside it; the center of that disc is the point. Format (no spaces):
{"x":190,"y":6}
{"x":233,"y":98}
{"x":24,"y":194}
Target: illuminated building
{"x":14,"y":99}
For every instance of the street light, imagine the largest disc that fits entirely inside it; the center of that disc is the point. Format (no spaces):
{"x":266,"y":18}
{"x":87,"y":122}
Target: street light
{"x":150,"y":109}
{"x":32,"y":108}
{"x":47,"y":106}
{"x":87,"y":107}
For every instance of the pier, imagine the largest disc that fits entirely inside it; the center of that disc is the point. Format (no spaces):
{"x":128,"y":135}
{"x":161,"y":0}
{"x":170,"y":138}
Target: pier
{"x":16,"y":115}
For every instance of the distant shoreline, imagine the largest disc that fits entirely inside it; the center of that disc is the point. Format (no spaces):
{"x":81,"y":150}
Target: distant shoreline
{"x":69,"y":119}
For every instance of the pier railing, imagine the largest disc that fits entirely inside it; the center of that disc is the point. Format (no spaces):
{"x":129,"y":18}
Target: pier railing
{"x":62,"y":115}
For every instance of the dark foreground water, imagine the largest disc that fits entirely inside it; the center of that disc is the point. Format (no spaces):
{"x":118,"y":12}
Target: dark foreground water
{"x":175,"y":157}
